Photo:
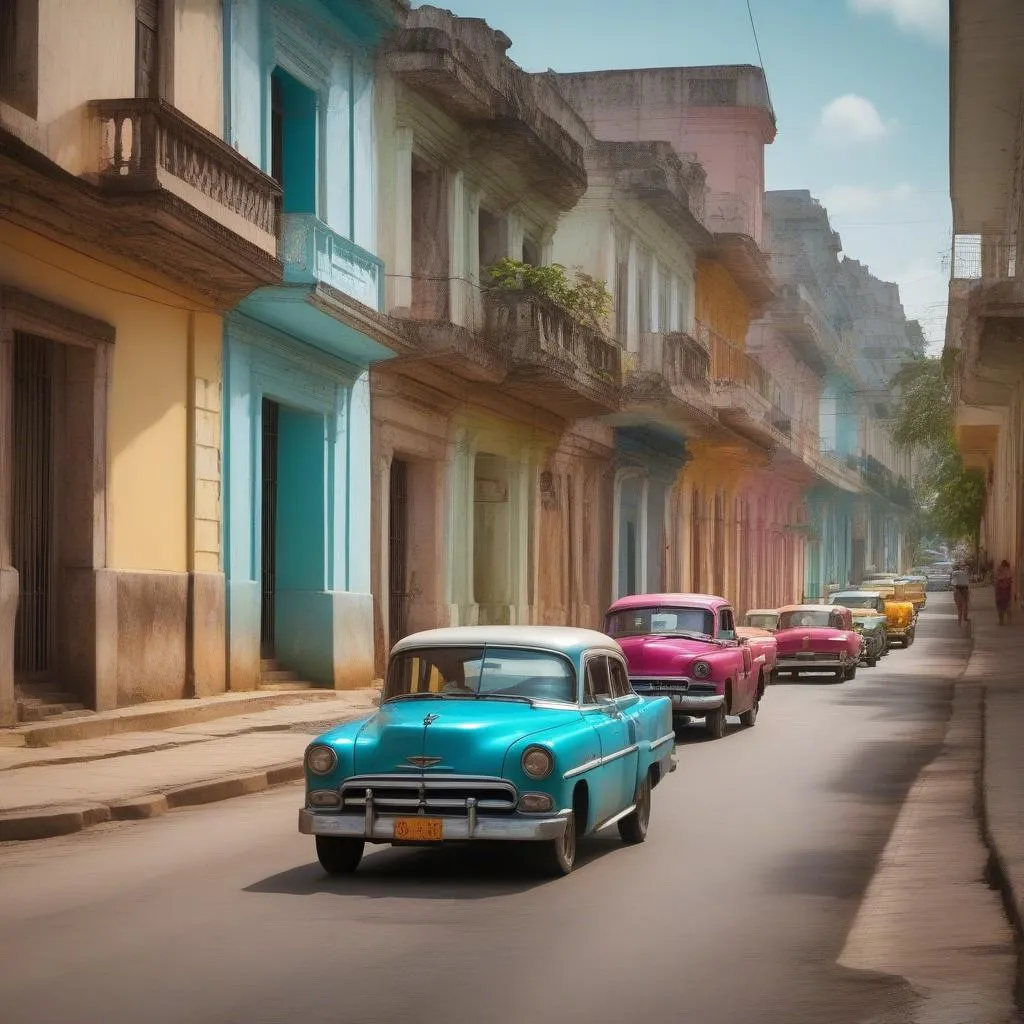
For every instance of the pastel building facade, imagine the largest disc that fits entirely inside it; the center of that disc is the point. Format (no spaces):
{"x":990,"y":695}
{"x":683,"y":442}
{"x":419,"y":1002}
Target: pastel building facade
{"x":129,"y":229}
{"x":301,"y":104}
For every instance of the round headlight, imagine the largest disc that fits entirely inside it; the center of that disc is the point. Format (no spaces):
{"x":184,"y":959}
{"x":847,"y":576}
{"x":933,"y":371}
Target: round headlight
{"x":537,"y":762}
{"x":701,"y":669}
{"x":321,"y":760}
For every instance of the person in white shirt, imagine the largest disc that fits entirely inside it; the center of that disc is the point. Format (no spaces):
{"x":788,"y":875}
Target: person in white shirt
{"x":960,"y":580}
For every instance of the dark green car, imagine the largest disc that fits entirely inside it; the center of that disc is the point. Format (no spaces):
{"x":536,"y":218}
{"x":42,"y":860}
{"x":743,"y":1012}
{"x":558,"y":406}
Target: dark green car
{"x":869,"y":619}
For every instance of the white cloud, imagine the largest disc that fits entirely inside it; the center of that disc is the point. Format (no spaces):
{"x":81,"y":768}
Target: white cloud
{"x":858,"y":200}
{"x":851,"y":120}
{"x":929,"y":18}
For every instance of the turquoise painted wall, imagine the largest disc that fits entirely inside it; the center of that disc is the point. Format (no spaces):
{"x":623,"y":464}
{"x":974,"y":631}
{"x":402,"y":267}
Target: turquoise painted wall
{"x":831,"y":557}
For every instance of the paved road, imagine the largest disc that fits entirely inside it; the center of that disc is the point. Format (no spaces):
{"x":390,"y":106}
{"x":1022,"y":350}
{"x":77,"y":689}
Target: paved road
{"x":735,"y":909}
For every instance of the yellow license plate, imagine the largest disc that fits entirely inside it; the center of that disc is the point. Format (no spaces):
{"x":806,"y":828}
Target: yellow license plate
{"x":419,"y":830}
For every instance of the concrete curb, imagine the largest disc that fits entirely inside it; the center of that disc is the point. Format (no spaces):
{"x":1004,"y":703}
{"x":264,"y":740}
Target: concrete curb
{"x":19,"y":826}
{"x":997,"y":875}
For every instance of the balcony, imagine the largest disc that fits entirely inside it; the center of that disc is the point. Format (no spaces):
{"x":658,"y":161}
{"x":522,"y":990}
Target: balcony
{"x":183,"y":201}
{"x":552,"y":360}
{"x":460,"y":64}
{"x":985,"y":324}
{"x":747,"y":397}
{"x":332,"y":294}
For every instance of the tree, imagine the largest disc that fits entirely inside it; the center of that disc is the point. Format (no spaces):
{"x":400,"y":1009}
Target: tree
{"x":950,"y":497}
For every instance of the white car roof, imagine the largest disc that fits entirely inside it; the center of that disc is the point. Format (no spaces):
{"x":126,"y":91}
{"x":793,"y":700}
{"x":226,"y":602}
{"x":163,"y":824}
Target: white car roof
{"x":563,"y":639}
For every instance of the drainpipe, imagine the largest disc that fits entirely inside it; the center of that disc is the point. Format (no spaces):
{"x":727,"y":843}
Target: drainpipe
{"x":190,"y":508}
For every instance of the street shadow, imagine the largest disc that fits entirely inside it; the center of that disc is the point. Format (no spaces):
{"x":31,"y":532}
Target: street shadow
{"x":883,"y":771}
{"x":833,"y":873}
{"x":692,"y":733}
{"x":902,"y":699}
{"x":473,"y":871}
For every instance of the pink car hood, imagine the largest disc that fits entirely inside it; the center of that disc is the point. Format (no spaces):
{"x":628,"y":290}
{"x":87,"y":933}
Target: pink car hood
{"x":658,"y":655}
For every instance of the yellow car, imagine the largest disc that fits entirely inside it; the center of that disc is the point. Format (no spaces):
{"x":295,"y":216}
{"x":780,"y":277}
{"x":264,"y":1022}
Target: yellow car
{"x":900,"y":614}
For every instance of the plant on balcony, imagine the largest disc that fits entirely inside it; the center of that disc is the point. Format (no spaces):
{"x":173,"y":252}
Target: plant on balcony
{"x":585,"y":298}
{"x":950,"y":498}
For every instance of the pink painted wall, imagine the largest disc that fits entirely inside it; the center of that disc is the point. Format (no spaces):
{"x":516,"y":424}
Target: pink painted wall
{"x":720,"y":115}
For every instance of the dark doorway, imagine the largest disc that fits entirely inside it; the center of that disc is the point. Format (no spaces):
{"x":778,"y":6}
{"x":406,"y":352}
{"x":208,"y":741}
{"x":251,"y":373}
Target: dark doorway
{"x":268,"y":532}
{"x":32,"y":506}
{"x":398,"y":552}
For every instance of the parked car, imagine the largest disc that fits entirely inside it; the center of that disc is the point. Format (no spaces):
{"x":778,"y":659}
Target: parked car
{"x":939,"y":575}
{"x":816,"y":638}
{"x":762,"y":618}
{"x":909,"y":588}
{"x":684,"y":646}
{"x":764,"y":649}
{"x":900,"y":614}
{"x":867,"y":611}
{"x":519,"y":733}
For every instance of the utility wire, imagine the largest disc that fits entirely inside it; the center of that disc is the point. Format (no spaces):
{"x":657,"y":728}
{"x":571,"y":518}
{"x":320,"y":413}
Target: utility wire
{"x":760,"y":59}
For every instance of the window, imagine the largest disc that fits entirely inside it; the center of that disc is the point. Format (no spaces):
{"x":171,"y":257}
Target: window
{"x":725,"y":625}
{"x":664,"y":323}
{"x":531,"y":251}
{"x":147,"y":49}
{"x":480,"y":673}
{"x":621,"y":288}
{"x":661,"y":621}
{"x":492,"y":241}
{"x":293,"y":142}
{"x":19,"y":54}
{"x":643,"y":288}
{"x":599,"y":682}
{"x":620,"y":679}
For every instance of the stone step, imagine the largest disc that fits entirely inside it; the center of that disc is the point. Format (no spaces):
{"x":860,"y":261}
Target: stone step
{"x":46,"y":712}
{"x":287,"y":684}
{"x":278,"y":675}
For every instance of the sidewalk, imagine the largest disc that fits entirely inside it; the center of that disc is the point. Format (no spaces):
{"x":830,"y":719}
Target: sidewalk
{"x":996,"y":666}
{"x":63,"y":788}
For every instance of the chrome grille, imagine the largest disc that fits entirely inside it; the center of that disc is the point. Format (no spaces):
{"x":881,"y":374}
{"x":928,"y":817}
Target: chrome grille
{"x":442,"y":794}
{"x":668,"y":687}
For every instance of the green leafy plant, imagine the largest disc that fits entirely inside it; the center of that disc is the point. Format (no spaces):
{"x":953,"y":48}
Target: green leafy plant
{"x":950,"y":497}
{"x":584,"y":298}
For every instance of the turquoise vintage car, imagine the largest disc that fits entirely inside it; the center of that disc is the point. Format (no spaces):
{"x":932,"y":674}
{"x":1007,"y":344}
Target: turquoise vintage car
{"x":869,"y":619}
{"x":522,"y":733}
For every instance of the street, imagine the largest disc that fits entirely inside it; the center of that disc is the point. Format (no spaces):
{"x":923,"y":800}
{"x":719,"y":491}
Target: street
{"x":734,"y":910}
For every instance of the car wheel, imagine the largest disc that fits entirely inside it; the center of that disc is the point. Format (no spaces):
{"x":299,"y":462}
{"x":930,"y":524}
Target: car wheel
{"x":872,"y":660}
{"x":774,"y":677}
{"x":715,"y":723}
{"x":339,"y":855}
{"x":633,"y":828}
{"x":851,"y":673}
{"x":556,"y":857}
{"x":909,"y":640}
{"x":839,"y":675}
{"x":749,"y":718}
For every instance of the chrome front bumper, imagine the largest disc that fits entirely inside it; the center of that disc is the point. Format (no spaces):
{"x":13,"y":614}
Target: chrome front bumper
{"x":811,"y":665}
{"x":686,"y":704}
{"x":380,"y":829}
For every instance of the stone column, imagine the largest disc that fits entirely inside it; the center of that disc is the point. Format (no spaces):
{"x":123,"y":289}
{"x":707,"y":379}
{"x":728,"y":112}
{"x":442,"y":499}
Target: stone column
{"x":8,"y":574}
{"x":459,"y":547}
{"x":400,"y":292}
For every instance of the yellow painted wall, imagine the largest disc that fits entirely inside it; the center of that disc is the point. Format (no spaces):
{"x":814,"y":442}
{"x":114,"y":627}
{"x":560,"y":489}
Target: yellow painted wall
{"x":720,"y":302}
{"x":146,"y":440}
{"x":87,"y":52}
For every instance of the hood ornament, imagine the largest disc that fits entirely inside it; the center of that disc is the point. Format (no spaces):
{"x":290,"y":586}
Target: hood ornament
{"x":430,"y":719}
{"x":423,"y":762}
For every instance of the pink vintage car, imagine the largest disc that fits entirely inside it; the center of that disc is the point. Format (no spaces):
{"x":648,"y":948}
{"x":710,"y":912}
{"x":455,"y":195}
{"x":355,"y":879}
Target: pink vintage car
{"x":684,"y":646}
{"x":818,"y":638}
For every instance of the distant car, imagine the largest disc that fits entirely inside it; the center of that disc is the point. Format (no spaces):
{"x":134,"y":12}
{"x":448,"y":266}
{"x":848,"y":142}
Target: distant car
{"x":818,"y":638}
{"x":762,"y":618}
{"x":900,"y":614}
{"x":939,"y":576}
{"x":516,"y":733}
{"x":764,"y":649}
{"x":867,"y":611}
{"x":685,"y":647}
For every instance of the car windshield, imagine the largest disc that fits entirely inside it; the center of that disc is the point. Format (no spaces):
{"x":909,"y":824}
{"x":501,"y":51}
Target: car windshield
{"x":807,"y":617}
{"x":480,"y":672}
{"x":855,"y":601}
{"x":646,"y":621}
{"x":762,"y":621}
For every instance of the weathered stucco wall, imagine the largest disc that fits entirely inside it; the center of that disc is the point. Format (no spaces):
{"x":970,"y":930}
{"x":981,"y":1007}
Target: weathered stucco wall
{"x":720,"y":302}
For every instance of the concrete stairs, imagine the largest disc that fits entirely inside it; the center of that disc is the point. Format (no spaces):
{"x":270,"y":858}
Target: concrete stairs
{"x":275,"y":678}
{"x":46,"y":701}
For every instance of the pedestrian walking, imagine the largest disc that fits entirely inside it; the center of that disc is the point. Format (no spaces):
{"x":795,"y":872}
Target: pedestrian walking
{"x":960,"y":580}
{"x":1004,"y":591}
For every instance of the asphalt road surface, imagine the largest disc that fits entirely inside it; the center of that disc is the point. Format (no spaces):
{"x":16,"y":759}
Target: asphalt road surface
{"x":734,"y":910}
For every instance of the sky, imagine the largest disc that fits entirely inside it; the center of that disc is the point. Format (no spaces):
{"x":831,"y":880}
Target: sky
{"x":860,"y":90}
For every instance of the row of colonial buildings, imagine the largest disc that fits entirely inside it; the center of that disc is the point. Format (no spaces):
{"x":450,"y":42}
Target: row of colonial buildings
{"x":263,"y":409}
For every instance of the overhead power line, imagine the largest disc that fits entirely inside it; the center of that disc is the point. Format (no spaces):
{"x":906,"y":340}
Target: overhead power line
{"x":760,"y":59}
